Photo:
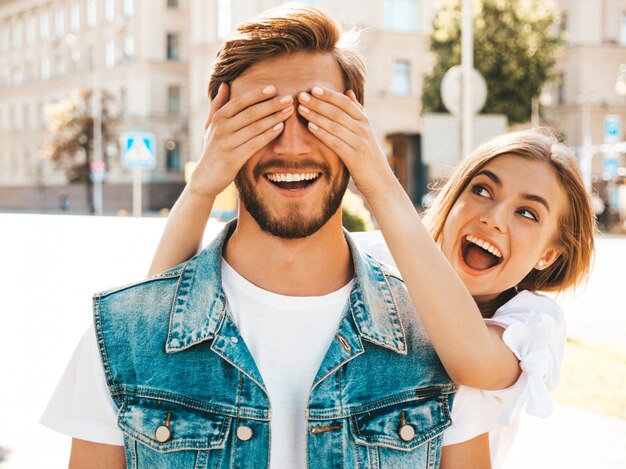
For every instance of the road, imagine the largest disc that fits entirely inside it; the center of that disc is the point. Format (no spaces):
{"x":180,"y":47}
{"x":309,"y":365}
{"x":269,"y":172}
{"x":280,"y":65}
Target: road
{"x":52,"y":264}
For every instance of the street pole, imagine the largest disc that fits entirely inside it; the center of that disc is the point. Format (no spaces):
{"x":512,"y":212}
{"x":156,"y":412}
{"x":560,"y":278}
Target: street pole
{"x":97,"y":146}
{"x":467,"y":65}
{"x":586,"y":156}
{"x":137,"y":201}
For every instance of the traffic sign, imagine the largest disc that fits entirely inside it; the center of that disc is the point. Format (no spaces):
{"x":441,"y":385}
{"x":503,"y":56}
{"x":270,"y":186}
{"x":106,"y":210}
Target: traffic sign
{"x":612,"y":128}
{"x":138,"y":150}
{"x":97,"y":170}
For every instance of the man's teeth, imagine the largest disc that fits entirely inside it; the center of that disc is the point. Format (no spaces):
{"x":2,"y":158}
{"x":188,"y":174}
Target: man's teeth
{"x":485,"y":245}
{"x":291,"y":177}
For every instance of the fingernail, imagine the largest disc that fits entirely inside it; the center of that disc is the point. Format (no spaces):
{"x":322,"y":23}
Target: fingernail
{"x":269,"y":90}
{"x":312,"y":126}
{"x":286,"y":99}
{"x":287,"y":109}
{"x":304,"y":109}
{"x":278,"y":126}
{"x":317,"y":90}
{"x":305,"y":97}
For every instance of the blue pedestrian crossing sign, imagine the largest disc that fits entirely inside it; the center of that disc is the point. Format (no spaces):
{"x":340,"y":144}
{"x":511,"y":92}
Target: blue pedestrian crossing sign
{"x":138,"y":150}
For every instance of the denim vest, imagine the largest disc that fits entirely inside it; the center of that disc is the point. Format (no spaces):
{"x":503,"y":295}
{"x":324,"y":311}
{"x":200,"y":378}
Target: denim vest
{"x":190,"y":395}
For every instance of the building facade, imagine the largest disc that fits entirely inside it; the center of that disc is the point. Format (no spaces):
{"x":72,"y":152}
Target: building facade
{"x":155,"y":57}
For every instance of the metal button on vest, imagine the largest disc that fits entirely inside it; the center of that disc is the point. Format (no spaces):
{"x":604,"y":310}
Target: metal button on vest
{"x":406,"y":432}
{"x":162,"y":434}
{"x":244,"y":433}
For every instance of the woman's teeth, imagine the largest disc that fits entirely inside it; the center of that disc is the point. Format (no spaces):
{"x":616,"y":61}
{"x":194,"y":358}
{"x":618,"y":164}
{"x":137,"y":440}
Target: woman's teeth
{"x":484,"y":244}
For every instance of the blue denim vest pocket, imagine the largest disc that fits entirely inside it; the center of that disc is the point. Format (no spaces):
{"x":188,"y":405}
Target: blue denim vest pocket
{"x":185,"y":435}
{"x":403,"y":434}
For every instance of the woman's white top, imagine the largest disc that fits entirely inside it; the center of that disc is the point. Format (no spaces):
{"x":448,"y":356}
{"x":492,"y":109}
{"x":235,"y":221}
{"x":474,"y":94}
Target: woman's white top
{"x":534,"y":330}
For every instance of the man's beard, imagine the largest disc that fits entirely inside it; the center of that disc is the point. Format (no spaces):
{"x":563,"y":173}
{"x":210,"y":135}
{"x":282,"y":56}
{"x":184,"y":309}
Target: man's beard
{"x":295,"y":224}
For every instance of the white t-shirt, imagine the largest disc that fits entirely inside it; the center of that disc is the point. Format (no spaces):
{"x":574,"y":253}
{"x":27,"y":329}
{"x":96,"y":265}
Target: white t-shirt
{"x":287,"y":336}
{"x":535,"y":331}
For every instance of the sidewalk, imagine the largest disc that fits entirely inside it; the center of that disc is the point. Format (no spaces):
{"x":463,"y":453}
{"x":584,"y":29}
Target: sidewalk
{"x":570,"y":439}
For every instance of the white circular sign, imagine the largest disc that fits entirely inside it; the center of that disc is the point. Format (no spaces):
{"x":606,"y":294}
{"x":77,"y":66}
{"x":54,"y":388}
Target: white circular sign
{"x":451,"y":90}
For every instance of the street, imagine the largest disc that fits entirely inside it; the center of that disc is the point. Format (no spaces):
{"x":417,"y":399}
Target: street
{"x":53,"y":264}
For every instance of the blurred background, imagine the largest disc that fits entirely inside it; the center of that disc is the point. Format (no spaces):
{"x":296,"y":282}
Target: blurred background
{"x":102,"y":110}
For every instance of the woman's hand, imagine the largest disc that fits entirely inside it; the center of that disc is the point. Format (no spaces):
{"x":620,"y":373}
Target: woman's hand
{"x":234,"y":131}
{"x":340,"y":122}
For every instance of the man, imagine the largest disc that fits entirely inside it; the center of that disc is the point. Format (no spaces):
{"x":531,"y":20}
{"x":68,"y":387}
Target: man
{"x":282,"y":343}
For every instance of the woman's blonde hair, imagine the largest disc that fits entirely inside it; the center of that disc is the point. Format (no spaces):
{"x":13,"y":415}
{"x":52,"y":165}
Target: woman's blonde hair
{"x":287,"y":30}
{"x":576,"y":225}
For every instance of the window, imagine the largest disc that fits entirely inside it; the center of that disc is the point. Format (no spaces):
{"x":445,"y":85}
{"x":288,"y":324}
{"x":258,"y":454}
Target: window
{"x":44,"y":26}
{"x":75,"y":16}
{"x":109,"y":55}
{"x":18,"y":77}
{"x":4,"y":38}
{"x":173,"y":100}
{"x":172,"y":3}
{"x":91,"y":58}
{"x":310,"y":2}
{"x":172,"y":156}
{"x":401,"y":83}
{"x":28,"y":71}
{"x":129,"y":46}
{"x":173,"y":52}
{"x":109,"y":10}
{"x":622,"y":39}
{"x":26,"y":116}
{"x":75,"y":58}
{"x":402,"y":15}
{"x":223,"y":18}
{"x":91,"y":12}
{"x":59,"y":67}
{"x":59,"y":23}
{"x":45,"y":68}
{"x":17,"y":34}
{"x":30,"y":30}
{"x":129,"y":7}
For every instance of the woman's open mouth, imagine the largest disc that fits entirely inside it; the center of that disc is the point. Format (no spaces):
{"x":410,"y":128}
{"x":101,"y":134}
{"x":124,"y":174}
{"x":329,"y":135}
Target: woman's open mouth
{"x":293,"y":181}
{"x":479,"y":254}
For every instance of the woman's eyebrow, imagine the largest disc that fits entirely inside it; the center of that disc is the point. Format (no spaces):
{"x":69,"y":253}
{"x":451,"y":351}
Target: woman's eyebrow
{"x":498,"y":182}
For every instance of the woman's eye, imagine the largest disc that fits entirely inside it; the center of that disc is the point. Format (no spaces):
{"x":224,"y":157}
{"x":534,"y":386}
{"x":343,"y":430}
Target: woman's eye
{"x":528,"y":214}
{"x":480,"y":190}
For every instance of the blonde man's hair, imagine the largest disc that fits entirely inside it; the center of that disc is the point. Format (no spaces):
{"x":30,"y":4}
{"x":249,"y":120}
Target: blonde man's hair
{"x":287,"y":30}
{"x":576,"y":226}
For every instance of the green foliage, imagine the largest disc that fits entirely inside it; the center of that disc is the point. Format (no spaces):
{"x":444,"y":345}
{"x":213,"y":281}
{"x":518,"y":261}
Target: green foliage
{"x":352,"y":221}
{"x":515,"y":48}
{"x":70,"y":134}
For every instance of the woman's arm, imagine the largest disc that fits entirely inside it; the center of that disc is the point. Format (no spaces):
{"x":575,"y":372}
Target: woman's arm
{"x":471,"y":454}
{"x":234,"y":131}
{"x":472,"y":353}
{"x":90,"y":455}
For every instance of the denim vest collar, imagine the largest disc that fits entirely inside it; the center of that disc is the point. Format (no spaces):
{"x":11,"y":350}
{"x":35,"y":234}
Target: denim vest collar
{"x":199,"y":305}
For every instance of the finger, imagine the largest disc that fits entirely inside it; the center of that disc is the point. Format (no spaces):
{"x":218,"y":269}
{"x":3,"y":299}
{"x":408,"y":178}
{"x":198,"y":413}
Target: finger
{"x":259,"y":111}
{"x":329,"y":110}
{"x":221,"y":98}
{"x":341,"y":148}
{"x":247,"y":99}
{"x":256,"y":143}
{"x":243,"y":136}
{"x":351,"y":94}
{"x":338,"y":99}
{"x":331,"y":126}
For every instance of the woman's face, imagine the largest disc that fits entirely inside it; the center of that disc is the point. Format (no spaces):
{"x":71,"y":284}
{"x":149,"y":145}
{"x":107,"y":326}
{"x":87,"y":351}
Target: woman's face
{"x":504,"y":224}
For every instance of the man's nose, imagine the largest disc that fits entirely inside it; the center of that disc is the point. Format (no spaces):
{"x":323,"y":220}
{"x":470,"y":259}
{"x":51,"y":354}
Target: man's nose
{"x":295,"y":139}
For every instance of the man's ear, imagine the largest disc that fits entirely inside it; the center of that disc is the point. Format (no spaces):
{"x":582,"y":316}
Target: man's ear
{"x":548,"y":258}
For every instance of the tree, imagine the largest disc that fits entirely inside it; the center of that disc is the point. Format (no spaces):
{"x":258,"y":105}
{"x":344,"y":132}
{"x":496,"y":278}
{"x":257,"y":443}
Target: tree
{"x":515,"y":46}
{"x":70,"y":143}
